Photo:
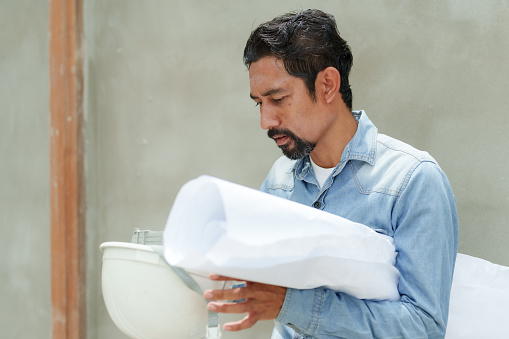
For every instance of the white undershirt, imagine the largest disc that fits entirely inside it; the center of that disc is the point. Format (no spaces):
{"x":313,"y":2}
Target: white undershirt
{"x":321,"y":173}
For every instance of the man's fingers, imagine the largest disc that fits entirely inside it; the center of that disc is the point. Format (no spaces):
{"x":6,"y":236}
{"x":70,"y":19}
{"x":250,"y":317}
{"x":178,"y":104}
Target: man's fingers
{"x":245,"y":323}
{"x":259,"y":301}
{"x":228,"y":307}
{"x":231,"y":294}
{"x":218,"y":277}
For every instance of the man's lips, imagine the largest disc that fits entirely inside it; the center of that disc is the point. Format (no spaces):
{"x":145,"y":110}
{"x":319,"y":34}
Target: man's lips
{"x":281,"y":139}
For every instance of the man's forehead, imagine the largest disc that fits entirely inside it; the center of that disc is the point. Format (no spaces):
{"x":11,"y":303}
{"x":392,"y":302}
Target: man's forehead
{"x":268,"y":76}
{"x":265,"y":65}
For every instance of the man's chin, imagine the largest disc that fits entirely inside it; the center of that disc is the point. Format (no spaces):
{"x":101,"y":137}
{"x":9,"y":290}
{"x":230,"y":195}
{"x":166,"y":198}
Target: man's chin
{"x":292,"y":154}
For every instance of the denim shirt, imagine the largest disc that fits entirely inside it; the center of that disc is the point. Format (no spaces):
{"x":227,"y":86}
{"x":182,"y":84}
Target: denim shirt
{"x":399,"y":191}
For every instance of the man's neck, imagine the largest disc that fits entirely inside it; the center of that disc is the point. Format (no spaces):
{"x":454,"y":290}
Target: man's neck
{"x":329,"y":149}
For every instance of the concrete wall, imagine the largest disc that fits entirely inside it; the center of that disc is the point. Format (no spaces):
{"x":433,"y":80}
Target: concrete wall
{"x":24,"y":170}
{"x":167,"y":100}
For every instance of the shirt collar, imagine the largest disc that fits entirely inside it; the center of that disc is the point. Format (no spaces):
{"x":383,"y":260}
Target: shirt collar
{"x":361,"y":147}
{"x":363,"y":144}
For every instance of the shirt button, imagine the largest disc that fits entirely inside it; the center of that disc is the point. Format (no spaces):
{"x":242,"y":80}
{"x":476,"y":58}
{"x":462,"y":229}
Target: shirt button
{"x":317,"y":204}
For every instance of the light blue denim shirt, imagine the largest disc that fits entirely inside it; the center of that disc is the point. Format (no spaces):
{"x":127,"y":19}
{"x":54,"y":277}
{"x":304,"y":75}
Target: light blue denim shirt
{"x":401,"y":192}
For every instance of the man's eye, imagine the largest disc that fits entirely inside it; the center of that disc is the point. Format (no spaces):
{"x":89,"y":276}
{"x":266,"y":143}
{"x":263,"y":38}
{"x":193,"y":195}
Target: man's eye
{"x":257,"y":104}
{"x":278,"y":100}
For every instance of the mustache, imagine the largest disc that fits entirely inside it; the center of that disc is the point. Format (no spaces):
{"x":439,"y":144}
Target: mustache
{"x":281,"y":131}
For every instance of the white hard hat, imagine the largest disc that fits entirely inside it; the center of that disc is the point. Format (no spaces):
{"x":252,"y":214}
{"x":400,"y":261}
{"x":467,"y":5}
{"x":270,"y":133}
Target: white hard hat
{"x":146,"y":299}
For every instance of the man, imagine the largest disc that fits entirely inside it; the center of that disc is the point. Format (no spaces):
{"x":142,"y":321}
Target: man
{"x":337,"y":162}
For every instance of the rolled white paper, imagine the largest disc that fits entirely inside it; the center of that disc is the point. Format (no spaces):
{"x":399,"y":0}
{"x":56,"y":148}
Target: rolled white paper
{"x":220,"y":227}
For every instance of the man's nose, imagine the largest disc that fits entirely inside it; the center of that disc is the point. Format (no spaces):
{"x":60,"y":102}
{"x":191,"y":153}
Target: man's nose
{"x":269,"y":118}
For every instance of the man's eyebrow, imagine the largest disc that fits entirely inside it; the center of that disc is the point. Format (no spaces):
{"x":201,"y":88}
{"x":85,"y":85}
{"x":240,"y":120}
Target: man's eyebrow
{"x":269,"y":92}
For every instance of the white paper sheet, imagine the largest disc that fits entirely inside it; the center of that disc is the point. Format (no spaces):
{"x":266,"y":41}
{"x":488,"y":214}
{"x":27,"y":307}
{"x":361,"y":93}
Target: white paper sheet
{"x":479,"y":306}
{"x":221,"y":227}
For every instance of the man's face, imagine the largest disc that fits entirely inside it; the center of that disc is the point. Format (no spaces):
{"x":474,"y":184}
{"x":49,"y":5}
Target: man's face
{"x":287,"y":111}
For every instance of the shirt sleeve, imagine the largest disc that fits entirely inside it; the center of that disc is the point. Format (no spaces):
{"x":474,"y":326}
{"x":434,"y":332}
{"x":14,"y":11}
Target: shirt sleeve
{"x":425,"y":224}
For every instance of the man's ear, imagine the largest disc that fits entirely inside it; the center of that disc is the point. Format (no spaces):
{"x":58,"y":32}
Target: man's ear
{"x":327,"y":84}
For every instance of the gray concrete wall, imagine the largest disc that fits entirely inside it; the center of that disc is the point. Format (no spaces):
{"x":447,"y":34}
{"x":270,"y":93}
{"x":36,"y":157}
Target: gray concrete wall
{"x":167,"y":100}
{"x":24,"y":170}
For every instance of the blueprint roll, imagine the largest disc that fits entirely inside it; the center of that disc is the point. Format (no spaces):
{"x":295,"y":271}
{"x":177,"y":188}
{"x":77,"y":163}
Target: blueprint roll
{"x":220,"y":227}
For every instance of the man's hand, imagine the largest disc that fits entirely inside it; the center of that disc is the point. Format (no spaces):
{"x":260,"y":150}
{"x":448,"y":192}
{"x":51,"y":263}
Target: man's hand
{"x":262,"y":302}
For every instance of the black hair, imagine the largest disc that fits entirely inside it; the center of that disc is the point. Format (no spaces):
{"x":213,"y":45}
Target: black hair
{"x":307,"y":42}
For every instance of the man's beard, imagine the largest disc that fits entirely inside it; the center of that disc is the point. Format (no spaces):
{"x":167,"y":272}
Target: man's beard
{"x":300,"y":148}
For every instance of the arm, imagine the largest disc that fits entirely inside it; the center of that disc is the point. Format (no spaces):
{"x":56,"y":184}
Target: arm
{"x":426,"y":238}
